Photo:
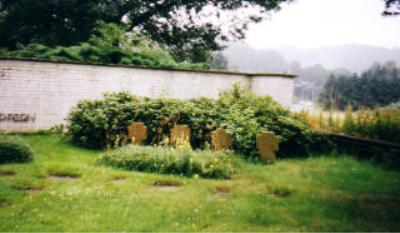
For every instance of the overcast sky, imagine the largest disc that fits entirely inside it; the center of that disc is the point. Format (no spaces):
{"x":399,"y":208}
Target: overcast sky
{"x":317,"y":23}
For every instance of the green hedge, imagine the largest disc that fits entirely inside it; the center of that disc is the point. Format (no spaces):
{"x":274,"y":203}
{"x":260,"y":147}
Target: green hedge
{"x":13,"y":149}
{"x":167,"y":160}
{"x":103,"y":123}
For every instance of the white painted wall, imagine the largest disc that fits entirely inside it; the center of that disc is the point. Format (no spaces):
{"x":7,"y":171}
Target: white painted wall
{"x":48,"y":90}
{"x":280,"y":88}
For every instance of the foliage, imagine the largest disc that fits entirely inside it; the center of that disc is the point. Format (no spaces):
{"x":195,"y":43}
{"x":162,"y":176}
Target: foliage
{"x":108,"y":45}
{"x":102,"y":123}
{"x":165,"y":160}
{"x":190,"y":29}
{"x":378,"y":86}
{"x":14,"y":149}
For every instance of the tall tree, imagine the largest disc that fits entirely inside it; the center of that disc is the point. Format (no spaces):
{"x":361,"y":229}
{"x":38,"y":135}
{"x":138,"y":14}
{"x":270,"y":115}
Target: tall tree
{"x":377,"y":86}
{"x":187,"y":27}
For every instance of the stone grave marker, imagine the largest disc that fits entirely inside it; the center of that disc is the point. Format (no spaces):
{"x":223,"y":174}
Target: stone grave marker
{"x":137,"y":132}
{"x":180,"y":133}
{"x":221,"y":140}
{"x":267,"y":145}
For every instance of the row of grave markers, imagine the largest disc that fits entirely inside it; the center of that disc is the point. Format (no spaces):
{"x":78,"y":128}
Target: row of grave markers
{"x":267,"y":142}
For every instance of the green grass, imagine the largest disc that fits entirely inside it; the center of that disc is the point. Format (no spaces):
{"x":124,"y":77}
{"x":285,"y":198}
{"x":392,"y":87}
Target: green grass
{"x":64,"y":189}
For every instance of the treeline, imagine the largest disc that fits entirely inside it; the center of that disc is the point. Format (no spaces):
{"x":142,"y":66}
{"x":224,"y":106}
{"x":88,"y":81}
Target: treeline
{"x":378,"y":86}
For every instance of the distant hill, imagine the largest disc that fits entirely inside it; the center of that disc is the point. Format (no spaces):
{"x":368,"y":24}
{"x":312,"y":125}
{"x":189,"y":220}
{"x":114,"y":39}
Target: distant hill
{"x":354,"y":58}
{"x":242,"y":57}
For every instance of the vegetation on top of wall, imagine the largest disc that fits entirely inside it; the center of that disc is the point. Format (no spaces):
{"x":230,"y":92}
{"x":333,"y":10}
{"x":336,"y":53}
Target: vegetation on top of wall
{"x":109,"y":44}
{"x":103,"y":123}
{"x":14,"y":150}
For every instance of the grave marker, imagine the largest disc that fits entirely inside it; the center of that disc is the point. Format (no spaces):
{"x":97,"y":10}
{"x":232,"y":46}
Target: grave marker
{"x":221,"y":140}
{"x":267,"y":145}
{"x":137,"y":132}
{"x":180,"y":133}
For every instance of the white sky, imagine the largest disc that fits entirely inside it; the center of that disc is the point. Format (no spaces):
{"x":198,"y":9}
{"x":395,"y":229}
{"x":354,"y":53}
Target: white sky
{"x":317,"y":23}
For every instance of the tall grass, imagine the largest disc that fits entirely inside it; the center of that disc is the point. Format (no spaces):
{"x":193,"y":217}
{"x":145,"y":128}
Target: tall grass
{"x":379,"y":123}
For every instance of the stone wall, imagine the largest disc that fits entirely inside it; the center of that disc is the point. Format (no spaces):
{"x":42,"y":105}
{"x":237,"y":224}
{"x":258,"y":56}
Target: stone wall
{"x":38,"y":94}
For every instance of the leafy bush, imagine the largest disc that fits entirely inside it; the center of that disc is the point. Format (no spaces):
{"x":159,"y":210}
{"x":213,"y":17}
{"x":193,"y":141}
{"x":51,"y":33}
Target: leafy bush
{"x":13,"y":149}
{"x":167,"y":160}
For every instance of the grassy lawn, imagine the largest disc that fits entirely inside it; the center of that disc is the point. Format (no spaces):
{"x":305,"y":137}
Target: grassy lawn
{"x":64,"y":190}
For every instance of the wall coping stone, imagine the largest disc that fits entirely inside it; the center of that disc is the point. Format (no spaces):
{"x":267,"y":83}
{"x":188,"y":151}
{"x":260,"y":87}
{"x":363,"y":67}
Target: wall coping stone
{"x":264,"y":75}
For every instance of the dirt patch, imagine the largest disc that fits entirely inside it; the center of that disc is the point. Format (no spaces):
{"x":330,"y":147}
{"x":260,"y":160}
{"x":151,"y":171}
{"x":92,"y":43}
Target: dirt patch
{"x":7,"y":173}
{"x":63,"y":173}
{"x":378,"y":199}
{"x":292,"y":168}
{"x":118,"y":180}
{"x":119,"y":177}
{"x":4,"y":203}
{"x":342,"y":196}
{"x":31,"y":189}
{"x":34,"y":190}
{"x":280,"y":192}
{"x":166,"y":185}
{"x":62,"y":178}
{"x":222,"y":189}
{"x":164,"y":188}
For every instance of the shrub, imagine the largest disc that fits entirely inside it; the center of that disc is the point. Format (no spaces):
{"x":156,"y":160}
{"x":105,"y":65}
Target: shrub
{"x":102,"y":123}
{"x":13,"y":149}
{"x":167,"y":160}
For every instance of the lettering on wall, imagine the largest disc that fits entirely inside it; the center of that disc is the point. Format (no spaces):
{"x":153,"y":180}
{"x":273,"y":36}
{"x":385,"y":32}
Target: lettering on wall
{"x":17,"y":117}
